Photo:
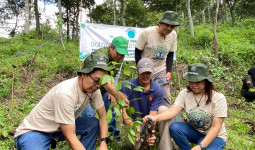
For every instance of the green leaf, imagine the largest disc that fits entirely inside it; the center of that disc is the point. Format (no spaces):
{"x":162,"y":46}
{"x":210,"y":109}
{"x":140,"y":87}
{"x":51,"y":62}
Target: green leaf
{"x":141,"y":119}
{"x":127,"y":72}
{"x":124,"y":137}
{"x":118,"y":86}
{"x":27,"y":38}
{"x":127,"y":86}
{"x":96,"y":115}
{"x":114,"y":63}
{"x":5,"y":133}
{"x":121,"y":103}
{"x":111,"y":73}
{"x":135,"y":99}
{"x":132,"y":132}
{"x":104,"y":79}
{"x":131,"y":138}
{"x":117,"y":111}
{"x":109,"y":116}
{"x":130,"y":111}
{"x":138,"y":88}
{"x":138,"y":112}
{"x":110,"y":107}
{"x":134,"y":67}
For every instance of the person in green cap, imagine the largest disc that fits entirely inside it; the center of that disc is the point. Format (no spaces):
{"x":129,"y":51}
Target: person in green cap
{"x":56,"y":116}
{"x":113,"y":53}
{"x":206,"y":109}
{"x":159,"y":44}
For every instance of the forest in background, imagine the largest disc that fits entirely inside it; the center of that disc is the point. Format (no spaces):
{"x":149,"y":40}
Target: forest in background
{"x":27,"y":73}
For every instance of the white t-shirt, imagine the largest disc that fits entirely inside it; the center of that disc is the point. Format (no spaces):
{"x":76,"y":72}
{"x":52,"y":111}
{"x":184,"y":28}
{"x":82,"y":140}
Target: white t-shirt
{"x":200,"y":117}
{"x":62,"y":104}
{"x":156,"y":47}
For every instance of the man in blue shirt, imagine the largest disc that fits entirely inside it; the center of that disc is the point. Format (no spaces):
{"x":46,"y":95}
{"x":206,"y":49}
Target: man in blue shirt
{"x":144,"y":103}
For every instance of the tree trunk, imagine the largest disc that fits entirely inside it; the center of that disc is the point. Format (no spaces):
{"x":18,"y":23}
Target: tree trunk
{"x":203,"y":16}
{"x":190,"y":18}
{"x":232,"y":16}
{"x":209,"y":11}
{"x":37,"y":21}
{"x":226,"y":12}
{"x":215,"y":41}
{"x":67,"y":22}
{"x":77,"y":21}
{"x":60,"y":30}
{"x":114,"y":12}
{"x":122,"y":12}
{"x":26,"y":25}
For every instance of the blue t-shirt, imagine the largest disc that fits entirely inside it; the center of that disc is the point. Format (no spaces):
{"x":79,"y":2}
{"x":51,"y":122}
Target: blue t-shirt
{"x":150,"y":100}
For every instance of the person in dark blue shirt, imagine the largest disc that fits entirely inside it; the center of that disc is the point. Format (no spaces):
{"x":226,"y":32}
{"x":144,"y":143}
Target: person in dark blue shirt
{"x":144,"y":102}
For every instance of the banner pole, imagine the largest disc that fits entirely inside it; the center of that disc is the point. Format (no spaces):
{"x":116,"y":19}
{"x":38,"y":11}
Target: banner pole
{"x":77,"y":33}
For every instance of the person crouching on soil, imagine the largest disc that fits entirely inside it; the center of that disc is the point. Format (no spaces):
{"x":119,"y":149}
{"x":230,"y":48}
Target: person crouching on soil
{"x":206,"y":110}
{"x":146,"y":102}
{"x":56,"y":116}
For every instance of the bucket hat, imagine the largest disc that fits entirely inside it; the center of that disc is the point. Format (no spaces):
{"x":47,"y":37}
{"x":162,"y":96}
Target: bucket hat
{"x":93,"y":61}
{"x":197,"y":72}
{"x":170,"y":17}
{"x":145,"y":65}
{"x":121,"y":45}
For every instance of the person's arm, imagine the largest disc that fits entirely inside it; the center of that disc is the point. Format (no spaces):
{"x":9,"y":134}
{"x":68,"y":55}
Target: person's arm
{"x":212,"y":134}
{"x":68,"y":131}
{"x":103,"y":126}
{"x":138,"y":55}
{"x":166,"y":115}
{"x":169,"y":64}
{"x":110,"y":88}
{"x":126,"y":118}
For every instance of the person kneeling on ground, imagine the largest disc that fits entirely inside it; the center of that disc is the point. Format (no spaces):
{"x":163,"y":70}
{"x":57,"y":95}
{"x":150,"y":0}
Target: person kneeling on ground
{"x":145,"y":103}
{"x":248,"y":88}
{"x":206,"y":110}
{"x":56,"y":116}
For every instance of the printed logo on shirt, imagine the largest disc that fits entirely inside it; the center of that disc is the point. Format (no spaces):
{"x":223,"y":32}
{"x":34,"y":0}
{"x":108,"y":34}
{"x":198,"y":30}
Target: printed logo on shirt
{"x":150,"y":98}
{"x":159,"y":52}
{"x":199,"y":119}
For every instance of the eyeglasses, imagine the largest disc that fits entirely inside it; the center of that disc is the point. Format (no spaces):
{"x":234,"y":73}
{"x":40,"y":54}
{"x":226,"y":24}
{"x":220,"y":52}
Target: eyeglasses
{"x":96,"y":82}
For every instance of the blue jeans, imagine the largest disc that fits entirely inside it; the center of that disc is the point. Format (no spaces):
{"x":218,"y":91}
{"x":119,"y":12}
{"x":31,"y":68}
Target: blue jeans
{"x":183,"y":133}
{"x":90,"y":112}
{"x":88,"y":128}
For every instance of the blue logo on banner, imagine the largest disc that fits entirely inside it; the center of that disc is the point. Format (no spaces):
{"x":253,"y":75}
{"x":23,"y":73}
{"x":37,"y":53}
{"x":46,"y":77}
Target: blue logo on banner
{"x":131,"y":33}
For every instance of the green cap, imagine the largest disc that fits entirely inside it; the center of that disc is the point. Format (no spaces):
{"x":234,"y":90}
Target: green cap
{"x":197,"y":72}
{"x":93,"y":61}
{"x":170,"y":17}
{"x":121,"y":44}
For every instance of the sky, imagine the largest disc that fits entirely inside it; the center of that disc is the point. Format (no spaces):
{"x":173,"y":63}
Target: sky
{"x":47,"y":12}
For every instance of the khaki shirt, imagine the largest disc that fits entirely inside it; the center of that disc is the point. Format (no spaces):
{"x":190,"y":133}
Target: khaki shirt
{"x":156,"y":47}
{"x":62,"y":104}
{"x":200,"y":117}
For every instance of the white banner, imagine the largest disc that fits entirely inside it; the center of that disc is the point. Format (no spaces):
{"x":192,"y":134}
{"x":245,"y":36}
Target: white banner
{"x":95,"y":36}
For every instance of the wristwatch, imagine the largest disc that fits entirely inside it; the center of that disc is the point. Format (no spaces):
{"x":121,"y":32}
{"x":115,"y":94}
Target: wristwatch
{"x":202,"y":146}
{"x":106,"y":139}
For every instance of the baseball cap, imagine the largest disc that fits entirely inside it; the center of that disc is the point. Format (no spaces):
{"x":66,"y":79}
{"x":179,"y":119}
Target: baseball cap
{"x":121,"y":45}
{"x":145,"y":65}
{"x":93,"y":61}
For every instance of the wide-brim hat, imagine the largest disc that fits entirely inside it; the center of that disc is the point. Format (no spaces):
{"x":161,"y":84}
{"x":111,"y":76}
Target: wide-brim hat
{"x":145,"y":65}
{"x":93,"y":61}
{"x":121,"y":45}
{"x":170,"y":17}
{"x":197,"y":72}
